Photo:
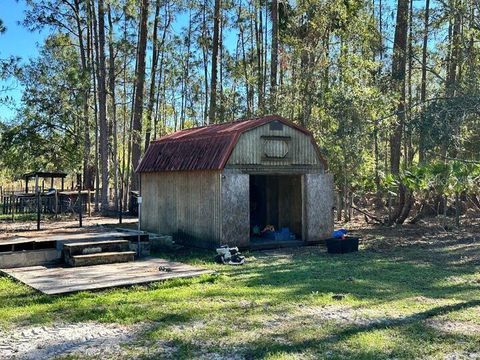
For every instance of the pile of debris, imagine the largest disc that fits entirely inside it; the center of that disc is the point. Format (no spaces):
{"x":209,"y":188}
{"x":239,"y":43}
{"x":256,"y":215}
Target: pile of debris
{"x":230,"y":256}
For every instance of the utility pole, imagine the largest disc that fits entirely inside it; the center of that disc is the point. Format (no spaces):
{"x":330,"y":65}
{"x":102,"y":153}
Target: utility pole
{"x":80,"y":203}
{"x":38,"y":201}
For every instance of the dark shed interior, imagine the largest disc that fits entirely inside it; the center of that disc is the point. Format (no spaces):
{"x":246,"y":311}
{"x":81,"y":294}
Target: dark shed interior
{"x":275,"y":200}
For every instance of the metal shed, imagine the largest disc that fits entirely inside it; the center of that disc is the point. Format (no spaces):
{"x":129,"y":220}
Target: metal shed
{"x":220,"y":184}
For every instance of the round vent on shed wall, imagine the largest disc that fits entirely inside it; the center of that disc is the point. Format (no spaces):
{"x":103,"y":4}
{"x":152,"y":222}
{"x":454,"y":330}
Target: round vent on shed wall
{"x":275,"y":148}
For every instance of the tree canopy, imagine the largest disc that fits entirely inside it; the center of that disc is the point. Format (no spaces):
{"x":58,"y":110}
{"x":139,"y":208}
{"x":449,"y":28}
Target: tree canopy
{"x":390,"y":90}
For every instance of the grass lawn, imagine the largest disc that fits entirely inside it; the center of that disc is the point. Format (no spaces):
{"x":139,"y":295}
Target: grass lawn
{"x":409,"y":293}
{"x":18,"y":217}
{"x":32,"y":217}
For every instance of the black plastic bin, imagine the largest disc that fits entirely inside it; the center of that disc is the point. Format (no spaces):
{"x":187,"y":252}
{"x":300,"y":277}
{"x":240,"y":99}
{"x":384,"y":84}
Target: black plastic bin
{"x":342,"y":246}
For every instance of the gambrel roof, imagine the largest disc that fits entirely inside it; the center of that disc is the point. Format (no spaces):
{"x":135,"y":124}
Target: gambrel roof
{"x":206,"y":147}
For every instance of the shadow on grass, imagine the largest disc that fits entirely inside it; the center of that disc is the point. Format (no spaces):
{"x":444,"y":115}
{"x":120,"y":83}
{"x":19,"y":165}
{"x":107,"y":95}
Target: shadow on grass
{"x":413,"y":338}
{"x":368,"y":276}
{"x":420,"y":316}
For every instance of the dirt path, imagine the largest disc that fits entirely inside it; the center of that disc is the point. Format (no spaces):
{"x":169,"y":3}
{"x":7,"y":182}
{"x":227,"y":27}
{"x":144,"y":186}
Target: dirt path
{"x":10,"y":231}
{"x":88,"y":339}
{"x":115,"y":341}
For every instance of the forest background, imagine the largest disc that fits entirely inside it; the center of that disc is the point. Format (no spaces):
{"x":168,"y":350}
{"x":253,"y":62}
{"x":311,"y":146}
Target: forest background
{"x":389,"y":89}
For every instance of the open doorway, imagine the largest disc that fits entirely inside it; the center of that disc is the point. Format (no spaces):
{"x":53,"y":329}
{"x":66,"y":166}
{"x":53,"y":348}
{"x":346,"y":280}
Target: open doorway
{"x":275,"y":208}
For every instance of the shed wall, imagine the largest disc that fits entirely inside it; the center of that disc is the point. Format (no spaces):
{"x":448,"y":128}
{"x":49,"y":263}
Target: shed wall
{"x":186,"y":205}
{"x":251,"y":147}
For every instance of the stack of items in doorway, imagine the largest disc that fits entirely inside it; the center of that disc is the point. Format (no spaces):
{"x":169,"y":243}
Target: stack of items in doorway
{"x":268,"y":232}
{"x":230,"y":256}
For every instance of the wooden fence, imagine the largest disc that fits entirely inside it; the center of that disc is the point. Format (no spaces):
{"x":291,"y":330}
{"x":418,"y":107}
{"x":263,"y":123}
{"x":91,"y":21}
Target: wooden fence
{"x":51,"y":203}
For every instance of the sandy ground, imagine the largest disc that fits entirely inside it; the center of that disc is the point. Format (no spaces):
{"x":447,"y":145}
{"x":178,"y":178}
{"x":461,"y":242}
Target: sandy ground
{"x":9,"y":230}
{"x":43,"y":342}
{"x":87,"y":340}
{"x":115,"y":341}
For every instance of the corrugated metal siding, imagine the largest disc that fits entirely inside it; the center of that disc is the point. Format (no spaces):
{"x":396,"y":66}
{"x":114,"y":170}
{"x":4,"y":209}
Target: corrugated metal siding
{"x":185,"y":205}
{"x":191,"y":154}
{"x":250,"y":148}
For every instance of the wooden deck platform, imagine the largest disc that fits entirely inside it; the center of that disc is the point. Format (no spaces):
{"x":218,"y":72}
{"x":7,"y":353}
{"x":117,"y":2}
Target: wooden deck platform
{"x":61,"y":280}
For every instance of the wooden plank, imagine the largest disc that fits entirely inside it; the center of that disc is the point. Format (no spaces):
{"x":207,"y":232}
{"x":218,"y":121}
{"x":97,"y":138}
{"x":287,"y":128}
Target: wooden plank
{"x":60,"y":280}
{"x":78,"y":237}
{"x":97,"y":243}
{"x":20,"y":240}
{"x":101,"y":258}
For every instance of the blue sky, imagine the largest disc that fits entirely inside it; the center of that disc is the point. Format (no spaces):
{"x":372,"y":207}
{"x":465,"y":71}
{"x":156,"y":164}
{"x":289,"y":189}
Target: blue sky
{"x":16,"y":41}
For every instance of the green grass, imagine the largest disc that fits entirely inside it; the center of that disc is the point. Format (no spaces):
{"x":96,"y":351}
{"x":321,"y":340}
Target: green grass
{"x":18,"y":217}
{"x":274,"y":306}
{"x":7,"y":218}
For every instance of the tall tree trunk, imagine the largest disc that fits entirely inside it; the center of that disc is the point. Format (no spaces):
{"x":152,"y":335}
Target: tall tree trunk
{"x":248,"y":91}
{"x":265,"y":53}
{"x":274,"y":57}
{"x":153,"y":73}
{"x":102,"y":105}
{"x":140,"y":83}
{"x":378,"y":197}
{"x":114,"y":150}
{"x":205,"y":61}
{"x":220,"y":108}
{"x":159,"y":102}
{"x":85,"y":95}
{"x":160,"y":99}
{"x":186,"y":73}
{"x":398,"y":78}
{"x":380,"y":28}
{"x":124,"y":173}
{"x":452,"y":75}
{"x":408,"y":204}
{"x":454,"y":49}
{"x":376,"y":125}
{"x":259,"y":50}
{"x":423,"y":85}
{"x":215,"y":46}
{"x":408,"y":147}
{"x":94,"y":62}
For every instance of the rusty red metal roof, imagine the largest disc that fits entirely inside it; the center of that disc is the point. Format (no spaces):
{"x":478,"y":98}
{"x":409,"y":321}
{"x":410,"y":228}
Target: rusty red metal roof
{"x":202,"y":148}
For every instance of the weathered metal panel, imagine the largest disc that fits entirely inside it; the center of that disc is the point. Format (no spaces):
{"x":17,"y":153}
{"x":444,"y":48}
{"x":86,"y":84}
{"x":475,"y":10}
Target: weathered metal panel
{"x":185,"y":205}
{"x":209,"y":147}
{"x":318,"y":206}
{"x":275,"y":170}
{"x":192,"y":154}
{"x":235,"y":209}
{"x":268,"y":146}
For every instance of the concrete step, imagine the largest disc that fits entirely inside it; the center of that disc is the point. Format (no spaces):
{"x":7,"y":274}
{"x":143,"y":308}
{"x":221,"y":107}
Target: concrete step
{"x":61,"y":240}
{"x":93,"y":247}
{"x":102,"y":258}
{"x":132,"y":234}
